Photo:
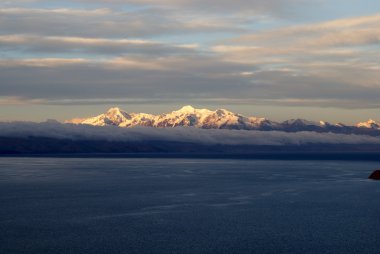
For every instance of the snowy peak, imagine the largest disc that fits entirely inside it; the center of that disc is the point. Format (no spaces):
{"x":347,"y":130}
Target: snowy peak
{"x":189,"y":116}
{"x":370,"y":124}
{"x":114,"y":111}
{"x":186,"y":109}
{"x":202,"y":118}
{"x":185,"y":116}
{"x":113,"y":116}
{"x":117,"y":115}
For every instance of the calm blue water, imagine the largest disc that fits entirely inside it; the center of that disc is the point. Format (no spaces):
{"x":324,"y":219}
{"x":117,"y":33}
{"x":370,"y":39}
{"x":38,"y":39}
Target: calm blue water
{"x":55,"y":205}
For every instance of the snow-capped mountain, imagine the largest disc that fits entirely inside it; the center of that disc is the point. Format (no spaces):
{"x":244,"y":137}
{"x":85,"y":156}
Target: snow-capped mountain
{"x":115,"y":116}
{"x":186,"y":116}
{"x":207,"y":119}
{"x":220,"y":119}
{"x":370,"y":124}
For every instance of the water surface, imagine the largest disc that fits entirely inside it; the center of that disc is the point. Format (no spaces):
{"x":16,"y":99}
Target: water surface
{"x":89,"y":205}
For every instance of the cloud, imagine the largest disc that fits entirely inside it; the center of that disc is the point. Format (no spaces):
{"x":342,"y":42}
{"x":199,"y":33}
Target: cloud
{"x":336,"y":62}
{"x":98,"y":46}
{"x":309,"y":32}
{"x":207,"y":79}
{"x":324,"y":39}
{"x":65,"y":11}
{"x":272,"y":7}
{"x":43,"y":62}
{"x":108,"y":23}
{"x":335,"y":42}
{"x":170,"y":51}
{"x":120,"y":77}
{"x":56,"y":130}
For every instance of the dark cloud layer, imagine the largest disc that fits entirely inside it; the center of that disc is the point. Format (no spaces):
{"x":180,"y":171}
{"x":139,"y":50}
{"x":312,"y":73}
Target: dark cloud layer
{"x":192,"y":135}
{"x":177,"y":78}
{"x":237,"y":52}
{"x":107,"y":23}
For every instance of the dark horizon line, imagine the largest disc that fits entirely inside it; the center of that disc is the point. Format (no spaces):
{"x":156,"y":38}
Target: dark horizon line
{"x":339,"y":156}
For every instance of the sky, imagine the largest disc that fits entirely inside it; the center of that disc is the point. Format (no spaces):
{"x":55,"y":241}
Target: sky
{"x":280,"y":59}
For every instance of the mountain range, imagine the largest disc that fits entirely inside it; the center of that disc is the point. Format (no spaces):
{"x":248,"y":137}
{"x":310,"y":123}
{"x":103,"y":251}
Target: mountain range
{"x":189,"y":116}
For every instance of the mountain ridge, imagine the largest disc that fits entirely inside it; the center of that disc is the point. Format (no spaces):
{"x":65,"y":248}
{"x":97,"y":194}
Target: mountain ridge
{"x":188,"y":116}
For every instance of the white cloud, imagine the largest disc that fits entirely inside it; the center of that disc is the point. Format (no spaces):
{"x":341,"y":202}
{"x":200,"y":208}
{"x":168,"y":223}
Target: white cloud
{"x":44,"y":45}
{"x":300,"y":32}
{"x":273,"y":7}
{"x":42,"y":62}
{"x":65,"y":11}
{"x":179,"y":134}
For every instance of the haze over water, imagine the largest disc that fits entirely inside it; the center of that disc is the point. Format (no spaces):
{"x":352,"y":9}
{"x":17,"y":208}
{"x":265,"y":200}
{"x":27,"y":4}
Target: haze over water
{"x":87,"y":205}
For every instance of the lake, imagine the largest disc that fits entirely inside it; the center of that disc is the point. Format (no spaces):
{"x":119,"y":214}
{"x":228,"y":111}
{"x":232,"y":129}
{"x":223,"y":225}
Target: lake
{"x":139,"y":205}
